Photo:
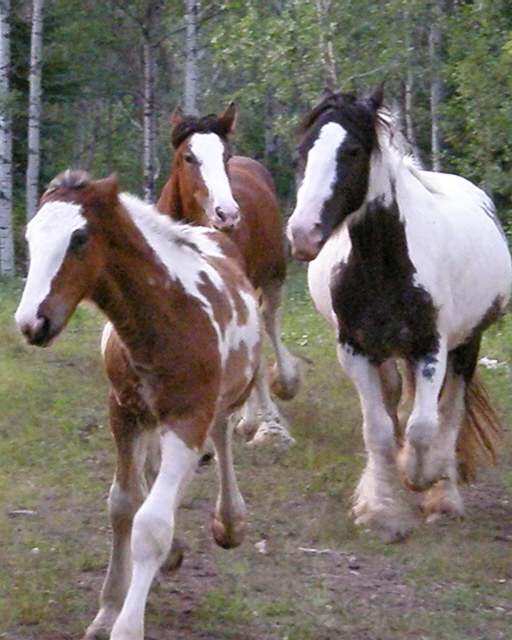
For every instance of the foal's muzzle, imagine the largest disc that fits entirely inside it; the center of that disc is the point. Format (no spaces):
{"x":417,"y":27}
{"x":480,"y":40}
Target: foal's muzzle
{"x":38,"y":333}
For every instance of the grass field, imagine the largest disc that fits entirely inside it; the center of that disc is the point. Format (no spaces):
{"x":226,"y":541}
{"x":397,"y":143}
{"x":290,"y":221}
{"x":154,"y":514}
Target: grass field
{"x":305,"y":571}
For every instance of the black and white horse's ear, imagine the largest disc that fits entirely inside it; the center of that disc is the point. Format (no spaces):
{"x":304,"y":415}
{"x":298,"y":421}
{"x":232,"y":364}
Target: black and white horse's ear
{"x":327,"y":92}
{"x":376,"y":98}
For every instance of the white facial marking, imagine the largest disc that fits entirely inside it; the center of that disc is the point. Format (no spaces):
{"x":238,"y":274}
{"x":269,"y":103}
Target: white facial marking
{"x":48,"y":235}
{"x":320,"y":173}
{"x":209,"y":152}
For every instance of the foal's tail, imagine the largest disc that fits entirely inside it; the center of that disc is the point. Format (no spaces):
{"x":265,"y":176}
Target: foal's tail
{"x":480,"y":432}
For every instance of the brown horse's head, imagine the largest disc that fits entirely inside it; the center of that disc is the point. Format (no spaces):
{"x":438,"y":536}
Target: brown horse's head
{"x":198,"y":190}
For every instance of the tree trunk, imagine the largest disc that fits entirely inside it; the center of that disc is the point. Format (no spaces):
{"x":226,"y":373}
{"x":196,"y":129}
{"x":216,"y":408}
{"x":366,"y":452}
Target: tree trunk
{"x":6,"y":235}
{"x":149,"y":121}
{"x":191,"y":70}
{"x":435,"y":36}
{"x":150,"y":46}
{"x":34,"y":109}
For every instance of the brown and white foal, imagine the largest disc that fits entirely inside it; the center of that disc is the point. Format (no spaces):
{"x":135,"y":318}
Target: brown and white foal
{"x":181,"y":350}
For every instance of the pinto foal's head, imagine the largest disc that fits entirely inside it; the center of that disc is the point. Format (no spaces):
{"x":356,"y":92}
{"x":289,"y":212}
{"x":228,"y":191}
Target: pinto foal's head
{"x":66,"y":252}
{"x":202,"y":148}
{"x":338,"y":139}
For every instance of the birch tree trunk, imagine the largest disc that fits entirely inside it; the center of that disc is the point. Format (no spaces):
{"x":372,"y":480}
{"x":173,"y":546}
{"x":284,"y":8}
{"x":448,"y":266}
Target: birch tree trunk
{"x":6,"y":235}
{"x":150,"y":45}
{"x":191,"y":70}
{"x":149,"y":122}
{"x":435,"y":36}
{"x":34,"y":109}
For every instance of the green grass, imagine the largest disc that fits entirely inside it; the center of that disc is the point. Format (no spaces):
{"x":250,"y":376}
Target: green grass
{"x":322,"y":578}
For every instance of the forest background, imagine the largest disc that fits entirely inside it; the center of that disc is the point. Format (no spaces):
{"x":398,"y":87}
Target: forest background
{"x":91,"y":84}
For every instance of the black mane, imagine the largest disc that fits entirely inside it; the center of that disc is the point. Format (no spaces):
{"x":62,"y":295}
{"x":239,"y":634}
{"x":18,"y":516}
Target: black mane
{"x":358,"y":116}
{"x":210,"y":123}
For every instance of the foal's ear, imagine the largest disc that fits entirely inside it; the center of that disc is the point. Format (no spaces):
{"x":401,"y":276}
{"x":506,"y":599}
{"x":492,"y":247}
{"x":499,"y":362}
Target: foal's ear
{"x":376,"y":98}
{"x":108,"y":188}
{"x":176,"y":117}
{"x":228,"y":119}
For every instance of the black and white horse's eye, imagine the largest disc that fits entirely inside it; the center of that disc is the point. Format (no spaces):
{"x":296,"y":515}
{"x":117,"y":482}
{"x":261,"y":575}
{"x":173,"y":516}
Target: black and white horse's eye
{"x":350,"y":151}
{"x":79,"y":241}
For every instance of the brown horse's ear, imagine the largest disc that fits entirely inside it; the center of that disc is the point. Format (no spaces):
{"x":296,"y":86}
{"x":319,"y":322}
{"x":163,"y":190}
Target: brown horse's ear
{"x":108,"y":188}
{"x":176,"y":117}
{"x":229,"y":119}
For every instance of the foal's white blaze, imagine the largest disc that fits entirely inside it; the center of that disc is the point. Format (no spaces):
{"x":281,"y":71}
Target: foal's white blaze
{"x":319,"y":179}
{"x":48,"y":235}
{"x":209,"y":153}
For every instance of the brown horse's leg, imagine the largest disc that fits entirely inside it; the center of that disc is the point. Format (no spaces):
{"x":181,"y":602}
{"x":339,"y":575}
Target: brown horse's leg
{"x":126,"y":495}
{"x":285,"y":375}
{"x":228,"y":522}
{"x":272,"y":426}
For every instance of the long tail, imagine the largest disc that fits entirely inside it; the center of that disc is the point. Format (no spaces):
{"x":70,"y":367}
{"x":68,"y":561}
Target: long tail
{"x":480,"y":432}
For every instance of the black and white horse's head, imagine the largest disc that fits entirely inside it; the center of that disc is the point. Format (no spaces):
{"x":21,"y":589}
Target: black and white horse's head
{"x":339,"y":137}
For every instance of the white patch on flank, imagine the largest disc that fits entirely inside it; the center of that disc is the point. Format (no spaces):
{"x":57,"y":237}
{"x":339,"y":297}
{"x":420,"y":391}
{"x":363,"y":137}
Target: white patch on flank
{"x":48,"y":235}
{"x":320,"y":174}
{"x":209,"y":153}
{"x":180,"y":247}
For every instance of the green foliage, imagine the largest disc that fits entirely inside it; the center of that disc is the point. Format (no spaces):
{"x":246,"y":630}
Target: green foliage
{"x":274,"y":59}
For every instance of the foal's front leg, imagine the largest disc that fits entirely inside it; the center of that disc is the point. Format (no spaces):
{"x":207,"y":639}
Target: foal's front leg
{"x":153,"y":531}
{"x":127,"y":493}
{"x":379,"y":500}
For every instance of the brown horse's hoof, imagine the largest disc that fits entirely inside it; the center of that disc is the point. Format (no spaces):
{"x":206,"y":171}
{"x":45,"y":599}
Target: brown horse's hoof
{"x":228,"y":537}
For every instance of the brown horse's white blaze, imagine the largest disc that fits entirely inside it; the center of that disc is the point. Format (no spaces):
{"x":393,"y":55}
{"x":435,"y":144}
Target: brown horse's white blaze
{"x":181,"y":352}
{"x":257,"y":234}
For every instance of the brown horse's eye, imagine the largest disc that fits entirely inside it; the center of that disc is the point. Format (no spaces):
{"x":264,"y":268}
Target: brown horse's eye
{"x":79,"y":241}
{"x":189,"y":158}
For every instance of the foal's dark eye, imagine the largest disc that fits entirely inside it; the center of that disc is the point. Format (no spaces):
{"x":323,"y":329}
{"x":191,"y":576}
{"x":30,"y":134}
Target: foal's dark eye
{"x":79,"y":241}
{"x":189,"y":158}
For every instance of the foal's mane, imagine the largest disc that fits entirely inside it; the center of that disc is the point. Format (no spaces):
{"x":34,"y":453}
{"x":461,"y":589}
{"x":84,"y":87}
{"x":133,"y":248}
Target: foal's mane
{"x":210,"y":123}
{"x":70,"y":179}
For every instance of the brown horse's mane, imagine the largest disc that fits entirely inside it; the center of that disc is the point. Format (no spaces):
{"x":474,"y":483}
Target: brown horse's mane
{"x":210,"y":123}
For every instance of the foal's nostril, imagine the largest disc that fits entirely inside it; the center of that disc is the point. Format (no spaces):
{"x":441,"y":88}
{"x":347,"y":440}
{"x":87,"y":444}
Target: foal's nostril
{"x":38,"y":333}
{"x":220,"y":214}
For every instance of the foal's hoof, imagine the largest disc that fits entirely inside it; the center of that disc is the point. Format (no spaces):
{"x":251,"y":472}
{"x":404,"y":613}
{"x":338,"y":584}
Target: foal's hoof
{"x":228,"y":537}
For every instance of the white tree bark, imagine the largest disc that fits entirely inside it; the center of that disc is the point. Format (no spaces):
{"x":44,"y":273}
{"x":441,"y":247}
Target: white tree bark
{"x":149,"y":133}
{"x":435,"y":37}
{"x":34,"y":109}
{"x":6,"y":235}
{"x":191,"y":69}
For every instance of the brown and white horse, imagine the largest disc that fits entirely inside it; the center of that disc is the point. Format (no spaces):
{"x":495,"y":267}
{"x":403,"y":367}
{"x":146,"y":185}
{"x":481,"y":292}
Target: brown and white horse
{"x":182,"y":351}
{"x":203,"y":182}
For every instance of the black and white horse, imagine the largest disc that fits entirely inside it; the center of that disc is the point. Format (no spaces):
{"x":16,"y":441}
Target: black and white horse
{"x":407,"y":266}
